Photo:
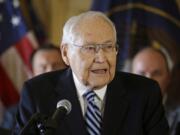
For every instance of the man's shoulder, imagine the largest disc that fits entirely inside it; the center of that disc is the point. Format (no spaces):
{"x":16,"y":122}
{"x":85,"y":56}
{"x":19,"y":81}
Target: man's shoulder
{"x":51,"y":77}
{"x":131,"y":78}
{"x":45,"y":82}
{"x":136,"y":83}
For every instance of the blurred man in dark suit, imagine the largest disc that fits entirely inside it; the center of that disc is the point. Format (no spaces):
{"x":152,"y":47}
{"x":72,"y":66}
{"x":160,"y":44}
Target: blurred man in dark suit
{"x":44,"y":59}
{"x":121,"y":103}
{"x":152,"y":63}
{"x":156,"y":63}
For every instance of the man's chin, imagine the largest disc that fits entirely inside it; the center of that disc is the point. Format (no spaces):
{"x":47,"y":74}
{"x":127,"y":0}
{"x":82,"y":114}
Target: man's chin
{"x":98,"y":85}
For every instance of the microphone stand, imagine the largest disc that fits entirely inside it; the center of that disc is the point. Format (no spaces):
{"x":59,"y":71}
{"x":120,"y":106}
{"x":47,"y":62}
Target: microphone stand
{"x":42,"y":125}
{"x":34,"y":119}
{"x":49,"y":127}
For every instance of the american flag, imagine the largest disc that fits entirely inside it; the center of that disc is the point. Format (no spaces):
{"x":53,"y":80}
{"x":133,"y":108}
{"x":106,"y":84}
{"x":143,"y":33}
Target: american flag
{"x":16,"y":46}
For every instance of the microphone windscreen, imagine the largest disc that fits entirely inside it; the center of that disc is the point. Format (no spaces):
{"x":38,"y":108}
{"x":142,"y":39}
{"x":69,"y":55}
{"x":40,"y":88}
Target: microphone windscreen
{"x":66,"y":104}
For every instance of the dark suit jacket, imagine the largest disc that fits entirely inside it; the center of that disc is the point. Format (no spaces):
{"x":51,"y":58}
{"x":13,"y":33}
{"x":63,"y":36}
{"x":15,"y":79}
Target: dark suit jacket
{"x":133,"y":104}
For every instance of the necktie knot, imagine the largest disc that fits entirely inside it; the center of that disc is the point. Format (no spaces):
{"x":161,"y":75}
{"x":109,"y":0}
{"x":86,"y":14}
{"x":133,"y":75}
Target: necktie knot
{"x":89,"y":96}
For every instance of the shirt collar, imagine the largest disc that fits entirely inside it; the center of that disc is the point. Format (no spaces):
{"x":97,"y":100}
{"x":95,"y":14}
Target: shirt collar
{"x":81,"y":89}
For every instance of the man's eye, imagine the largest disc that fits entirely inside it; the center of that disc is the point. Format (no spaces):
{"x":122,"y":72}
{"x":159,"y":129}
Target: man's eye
{"x":109,"y":46}
{"x":89,"y":48}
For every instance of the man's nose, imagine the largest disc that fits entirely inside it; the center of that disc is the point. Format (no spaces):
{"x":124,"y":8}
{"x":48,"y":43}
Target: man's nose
{"x":98,"y":48}
{"x":100,"y":56}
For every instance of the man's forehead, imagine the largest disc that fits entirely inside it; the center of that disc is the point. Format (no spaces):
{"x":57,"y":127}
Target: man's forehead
{"x":94,"y":30}
{"x":87,"y":22}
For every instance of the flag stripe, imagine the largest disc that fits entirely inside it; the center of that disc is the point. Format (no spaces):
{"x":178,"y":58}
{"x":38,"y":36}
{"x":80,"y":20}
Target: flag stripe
{"x":14,"y":67}
{"x":8,"y":93}
{"x":25,"y":49}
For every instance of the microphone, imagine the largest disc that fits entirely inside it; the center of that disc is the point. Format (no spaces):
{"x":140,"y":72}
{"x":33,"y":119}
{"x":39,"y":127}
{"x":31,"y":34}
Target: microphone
{"x":63,"y":108}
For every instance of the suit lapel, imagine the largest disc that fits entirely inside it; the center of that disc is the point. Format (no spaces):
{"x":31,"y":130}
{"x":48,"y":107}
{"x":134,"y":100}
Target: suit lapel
{"x":116,"y":106}
{"x":66,"y":90}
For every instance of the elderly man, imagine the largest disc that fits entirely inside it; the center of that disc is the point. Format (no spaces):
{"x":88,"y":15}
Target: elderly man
{"x":103,"y":102}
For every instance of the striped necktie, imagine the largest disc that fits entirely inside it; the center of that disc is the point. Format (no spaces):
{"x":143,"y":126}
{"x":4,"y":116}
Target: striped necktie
{"x":93,"y":115}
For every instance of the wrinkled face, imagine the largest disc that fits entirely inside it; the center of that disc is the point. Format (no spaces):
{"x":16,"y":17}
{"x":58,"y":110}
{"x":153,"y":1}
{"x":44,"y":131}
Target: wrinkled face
{"x":47,"y":60}
{"x":152,"y":65}
{"x":97,"y":69}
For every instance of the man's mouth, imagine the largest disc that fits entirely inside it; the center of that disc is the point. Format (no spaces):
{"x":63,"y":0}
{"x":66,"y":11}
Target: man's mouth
{"x":99,"y":71}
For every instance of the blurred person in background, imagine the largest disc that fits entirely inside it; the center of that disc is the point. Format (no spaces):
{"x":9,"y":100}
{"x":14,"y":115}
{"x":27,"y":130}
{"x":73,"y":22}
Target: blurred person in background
{"x":154,"y":63}
{"x":44,"y":59}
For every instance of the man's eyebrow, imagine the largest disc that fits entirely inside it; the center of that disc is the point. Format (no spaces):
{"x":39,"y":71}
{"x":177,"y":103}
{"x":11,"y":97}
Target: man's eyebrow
{"x":105,"y":42}
{"x":108,"y":41}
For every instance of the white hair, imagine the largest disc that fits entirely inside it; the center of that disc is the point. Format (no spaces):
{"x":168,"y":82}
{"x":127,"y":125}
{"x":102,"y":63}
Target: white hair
{"x":69,"y":27}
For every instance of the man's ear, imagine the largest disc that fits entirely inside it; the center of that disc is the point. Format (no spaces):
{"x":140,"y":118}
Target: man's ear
{"x":64,"y":53}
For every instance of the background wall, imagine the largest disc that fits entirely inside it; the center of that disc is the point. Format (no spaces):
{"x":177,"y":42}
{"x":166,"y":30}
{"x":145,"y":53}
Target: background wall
{"x":53,"y":14}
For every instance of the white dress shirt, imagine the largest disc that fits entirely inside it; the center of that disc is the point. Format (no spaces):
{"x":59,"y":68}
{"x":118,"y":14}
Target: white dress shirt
{"x":81,"y":89}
